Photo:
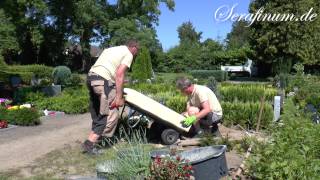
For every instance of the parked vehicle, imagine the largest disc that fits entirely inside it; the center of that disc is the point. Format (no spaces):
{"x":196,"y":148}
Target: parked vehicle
{"x":248,"y":67}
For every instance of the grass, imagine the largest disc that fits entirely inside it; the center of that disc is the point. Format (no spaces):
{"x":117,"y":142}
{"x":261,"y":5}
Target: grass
{"x":57,"y":164}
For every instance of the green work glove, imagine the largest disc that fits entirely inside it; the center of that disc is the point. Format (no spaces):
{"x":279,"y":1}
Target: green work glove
{"x":189,"y":121}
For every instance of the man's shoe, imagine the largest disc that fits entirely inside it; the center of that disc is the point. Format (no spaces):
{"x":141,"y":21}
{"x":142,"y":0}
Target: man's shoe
{"x":89,"y":148}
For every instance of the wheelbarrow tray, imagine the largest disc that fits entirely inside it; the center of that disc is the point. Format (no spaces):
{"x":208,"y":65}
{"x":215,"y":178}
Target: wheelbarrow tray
{"x":154,"y":110}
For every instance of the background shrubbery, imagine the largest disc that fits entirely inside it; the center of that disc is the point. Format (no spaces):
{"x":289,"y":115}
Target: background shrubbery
{"x":71,"y":101}
{"x":292,"y":153}
{"x":21,"y":116}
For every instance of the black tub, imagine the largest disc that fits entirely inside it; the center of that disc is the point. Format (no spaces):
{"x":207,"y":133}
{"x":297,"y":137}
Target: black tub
{"x":209,"y":163}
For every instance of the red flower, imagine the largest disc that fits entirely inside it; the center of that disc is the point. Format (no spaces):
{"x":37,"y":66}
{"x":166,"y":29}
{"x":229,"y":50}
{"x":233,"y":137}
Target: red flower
{"x":178,"y":158}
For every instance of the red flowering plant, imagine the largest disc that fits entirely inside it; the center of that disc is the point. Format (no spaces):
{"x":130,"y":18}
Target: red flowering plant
{"x":170,"y":168}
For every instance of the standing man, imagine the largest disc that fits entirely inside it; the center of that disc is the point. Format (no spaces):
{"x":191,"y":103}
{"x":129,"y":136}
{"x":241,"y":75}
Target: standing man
{"x":105,"y":84}
{"x":203,"y":107}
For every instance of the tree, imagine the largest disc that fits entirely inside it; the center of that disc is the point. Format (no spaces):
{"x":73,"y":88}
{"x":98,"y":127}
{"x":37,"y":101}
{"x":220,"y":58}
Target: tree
{"x":142,"y":68}
{"x":27,"y":16}
{"x":282,"y":44}
{"x":188,"y":34}
{"x":8,"y":40}
{"x":239,"y":35}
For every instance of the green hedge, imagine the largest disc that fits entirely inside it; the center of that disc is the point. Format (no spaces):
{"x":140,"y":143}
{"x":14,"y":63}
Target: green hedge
{"x":25,"y":72}
{"x":40,"y":70}
{"x":246,"y":114}
{"x":246,"y":93}
{"x":6,"y":74}
{"x":204,"y":74}
{"x":22,"y":116}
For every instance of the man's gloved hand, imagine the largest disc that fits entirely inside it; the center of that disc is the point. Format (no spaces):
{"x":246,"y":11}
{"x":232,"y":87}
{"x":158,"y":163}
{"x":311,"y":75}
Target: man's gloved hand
{"x":189,"y":121}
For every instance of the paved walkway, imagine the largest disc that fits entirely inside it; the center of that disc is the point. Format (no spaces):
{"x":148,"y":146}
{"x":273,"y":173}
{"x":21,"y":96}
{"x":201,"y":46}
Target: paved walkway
{"x":22,"y":145}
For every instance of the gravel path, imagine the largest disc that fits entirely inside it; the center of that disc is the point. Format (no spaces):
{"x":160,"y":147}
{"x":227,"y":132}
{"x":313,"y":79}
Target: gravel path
{"x":20,"y":146}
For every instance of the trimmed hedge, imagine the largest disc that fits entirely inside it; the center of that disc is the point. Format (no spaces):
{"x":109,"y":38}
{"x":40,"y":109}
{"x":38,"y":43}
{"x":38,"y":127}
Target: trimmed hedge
{"x":204,"y":74}
{"x":6,"y":74}
{"x":25,"y":72}
{"x":39,"y":70}
{"x":247,"y":93}
{"x":246,"y":114}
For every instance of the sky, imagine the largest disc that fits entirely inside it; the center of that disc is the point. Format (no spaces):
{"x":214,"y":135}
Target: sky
{"x":202,"y":15}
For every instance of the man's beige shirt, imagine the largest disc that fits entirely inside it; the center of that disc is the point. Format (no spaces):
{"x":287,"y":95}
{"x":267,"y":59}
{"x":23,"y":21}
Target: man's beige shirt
{"x":110,"y":59}
{"x":201,"y":94}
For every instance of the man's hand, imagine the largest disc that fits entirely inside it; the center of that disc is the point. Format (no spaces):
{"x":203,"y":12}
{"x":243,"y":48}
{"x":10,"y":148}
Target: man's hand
{"x":117,"y":102}
{"x":189,"y":121}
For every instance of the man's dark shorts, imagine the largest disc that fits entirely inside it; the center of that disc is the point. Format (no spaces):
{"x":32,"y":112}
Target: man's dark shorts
{"x":99,"y":90}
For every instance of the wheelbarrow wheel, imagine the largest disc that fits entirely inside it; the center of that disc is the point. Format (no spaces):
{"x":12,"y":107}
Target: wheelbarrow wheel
{"x":169,"y":136}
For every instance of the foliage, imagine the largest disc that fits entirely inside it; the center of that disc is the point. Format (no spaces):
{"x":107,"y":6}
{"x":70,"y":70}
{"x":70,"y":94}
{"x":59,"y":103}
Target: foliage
{"x":25,"y":76}
{"x":8,"y":40}
{"x":285,"y":42}
{"x":142,"y":68}
{"x":170,"y":168}
{"x":246,"y":92}
{"x":74,"y":80}
{"x":208,"y":140}
{"x":38,"y":31}
{"x":71,"y":100}
{"x":25,"y":72}
{"x":217,"y":74}
{"x":239,"y":35}
{"x":188,"y":34}
{"x":307,"y":90}
{"x":41,"y":71}
{"x":246,"y":114}
{"x":292,"y":153}
{"x":132,"y":157}
{"x":61,"y":75}
{"x":177,"y":103}
{"x":21,"y":116}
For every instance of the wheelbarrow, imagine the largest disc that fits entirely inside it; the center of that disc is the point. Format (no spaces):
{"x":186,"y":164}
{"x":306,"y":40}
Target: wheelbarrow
{"x":143,"y":108}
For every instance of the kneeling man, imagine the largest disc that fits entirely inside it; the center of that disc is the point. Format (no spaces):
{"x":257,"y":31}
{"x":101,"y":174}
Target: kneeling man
{"x":203,"y":107}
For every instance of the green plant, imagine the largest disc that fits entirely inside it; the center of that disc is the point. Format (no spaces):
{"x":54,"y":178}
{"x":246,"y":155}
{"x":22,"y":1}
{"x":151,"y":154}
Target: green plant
{"x":177,"y":103}
{"x":299,"y":68}
{"x":293,"y":151}
{"x":132,"y":156}
{"x":74,"y":80}
{"x":70,"y":101}
{"x":23,"y":116}
{"x":61,"y":75}
{"x":208,"y":140}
